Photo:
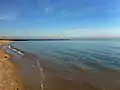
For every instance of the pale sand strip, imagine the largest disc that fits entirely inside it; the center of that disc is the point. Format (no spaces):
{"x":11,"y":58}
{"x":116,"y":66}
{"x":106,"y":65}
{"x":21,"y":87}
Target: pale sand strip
{"x":9,"y":75}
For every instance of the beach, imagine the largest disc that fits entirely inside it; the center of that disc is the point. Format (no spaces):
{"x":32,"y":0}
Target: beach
{"x":9,"y":73}
{"x":36,"y":72}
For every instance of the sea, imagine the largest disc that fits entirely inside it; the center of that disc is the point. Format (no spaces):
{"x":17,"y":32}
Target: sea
{"x":97,"y":59}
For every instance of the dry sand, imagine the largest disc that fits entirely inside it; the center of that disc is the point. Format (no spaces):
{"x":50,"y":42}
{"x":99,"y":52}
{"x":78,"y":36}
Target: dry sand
{"x":9,"y":75}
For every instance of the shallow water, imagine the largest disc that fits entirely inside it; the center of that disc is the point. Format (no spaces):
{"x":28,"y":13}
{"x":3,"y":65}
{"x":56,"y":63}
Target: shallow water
{"x":84,"y":54}
{"x":92,"y":65}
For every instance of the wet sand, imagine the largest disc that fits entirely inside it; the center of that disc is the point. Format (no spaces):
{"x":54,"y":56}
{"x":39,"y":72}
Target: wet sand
{"x":39,"y":73}
{"x":9,"y":74}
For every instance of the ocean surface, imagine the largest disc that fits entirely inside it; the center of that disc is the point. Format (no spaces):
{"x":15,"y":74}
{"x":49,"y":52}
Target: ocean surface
{"x":94,"y":56}
{"x":90,"y":55}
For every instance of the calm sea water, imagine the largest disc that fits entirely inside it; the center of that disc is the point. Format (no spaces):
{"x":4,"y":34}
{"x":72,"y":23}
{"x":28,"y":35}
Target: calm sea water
{"x":91,"y":55}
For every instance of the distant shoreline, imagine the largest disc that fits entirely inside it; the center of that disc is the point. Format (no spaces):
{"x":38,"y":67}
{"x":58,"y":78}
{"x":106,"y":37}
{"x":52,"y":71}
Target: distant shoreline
{"x":55,"y":39}
{"x":35,"y":39}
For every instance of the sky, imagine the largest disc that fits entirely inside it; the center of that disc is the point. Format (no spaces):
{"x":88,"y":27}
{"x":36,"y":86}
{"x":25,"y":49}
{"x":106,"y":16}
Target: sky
{"x":60,"y":18}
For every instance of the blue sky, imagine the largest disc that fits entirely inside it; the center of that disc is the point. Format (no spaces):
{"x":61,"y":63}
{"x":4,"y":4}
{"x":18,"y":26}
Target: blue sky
{"x":60,"y":18}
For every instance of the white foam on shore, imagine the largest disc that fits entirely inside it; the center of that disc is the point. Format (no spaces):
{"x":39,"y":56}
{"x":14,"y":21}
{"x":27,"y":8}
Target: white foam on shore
{"x":41,"y":73}
{"x":9,"y":47}
{"x":38,"y":66}
{"x":14,"y":49}
{"x":19,"y":52}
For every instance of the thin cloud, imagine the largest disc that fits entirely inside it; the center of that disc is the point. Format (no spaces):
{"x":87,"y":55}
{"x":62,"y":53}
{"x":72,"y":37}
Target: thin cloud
{"x":49,"y":9}
{"x":46,"y":10}
{"x":65,"y":14}
{"x":8,"y":16}
{"x":3,"y":17}
{"x":46,"y":6}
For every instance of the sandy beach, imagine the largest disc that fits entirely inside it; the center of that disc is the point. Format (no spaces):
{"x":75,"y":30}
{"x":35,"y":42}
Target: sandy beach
{"x":38,"y":73}
{"x":9,"y":73}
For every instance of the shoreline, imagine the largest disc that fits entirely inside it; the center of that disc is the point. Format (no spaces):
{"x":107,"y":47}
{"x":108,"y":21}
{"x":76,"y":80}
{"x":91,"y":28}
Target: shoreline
{"x":9,"y":73}
{"x":47,"y":78}
{"x":78,"y":79}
